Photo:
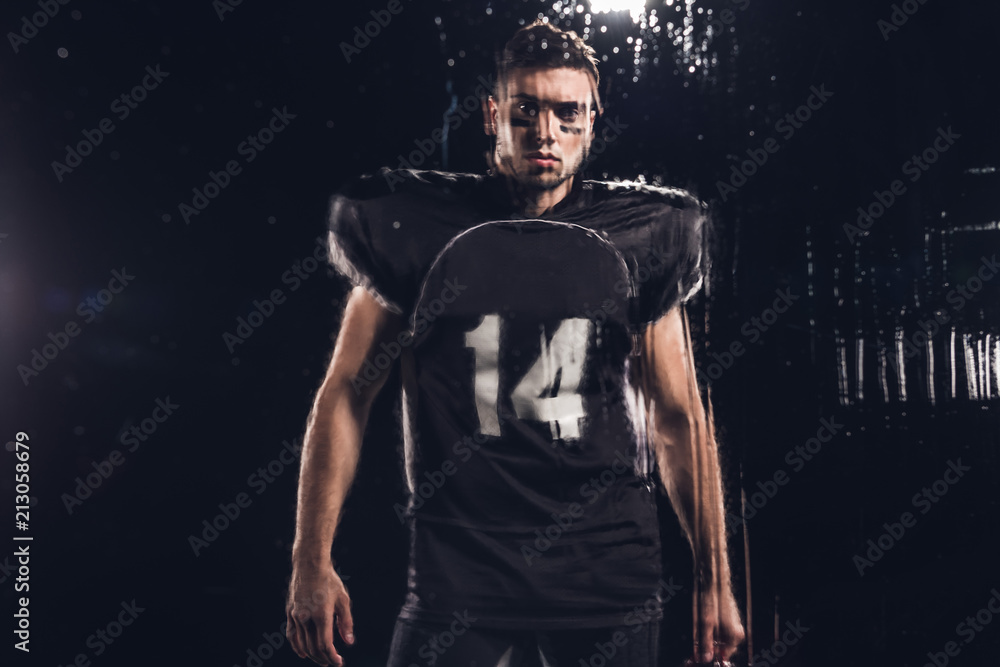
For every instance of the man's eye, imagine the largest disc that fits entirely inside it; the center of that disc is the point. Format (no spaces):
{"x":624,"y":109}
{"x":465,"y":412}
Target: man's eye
{"x":569,"y":114}
{"x":528,"y":109}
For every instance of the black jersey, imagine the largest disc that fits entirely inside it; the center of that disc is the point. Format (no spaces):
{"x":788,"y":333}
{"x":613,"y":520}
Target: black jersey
{"x":531,"y":503}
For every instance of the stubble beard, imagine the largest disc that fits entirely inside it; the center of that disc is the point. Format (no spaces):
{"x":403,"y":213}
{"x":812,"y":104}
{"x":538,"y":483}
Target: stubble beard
{"x":545,"y":179}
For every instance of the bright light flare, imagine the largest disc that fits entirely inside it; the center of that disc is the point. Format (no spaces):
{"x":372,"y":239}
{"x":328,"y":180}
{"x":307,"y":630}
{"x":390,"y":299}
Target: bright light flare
{"x":633,"y":7}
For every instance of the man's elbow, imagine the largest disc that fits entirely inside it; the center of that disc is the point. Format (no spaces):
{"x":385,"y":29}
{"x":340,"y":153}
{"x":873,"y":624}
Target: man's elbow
{"x":357,"y":384}
{"x":343,"y":396}
{"x":674,"y":424}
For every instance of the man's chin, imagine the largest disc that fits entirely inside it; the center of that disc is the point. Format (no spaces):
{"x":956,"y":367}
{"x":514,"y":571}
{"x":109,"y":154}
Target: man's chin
{"x":544,"y":181}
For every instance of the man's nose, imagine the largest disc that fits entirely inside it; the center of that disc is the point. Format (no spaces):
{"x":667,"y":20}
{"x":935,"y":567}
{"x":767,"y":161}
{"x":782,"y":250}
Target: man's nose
{"x":545,"y":127}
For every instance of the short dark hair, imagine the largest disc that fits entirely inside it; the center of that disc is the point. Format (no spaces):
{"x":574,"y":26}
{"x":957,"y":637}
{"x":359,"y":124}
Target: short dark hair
{"x":542,"y":44}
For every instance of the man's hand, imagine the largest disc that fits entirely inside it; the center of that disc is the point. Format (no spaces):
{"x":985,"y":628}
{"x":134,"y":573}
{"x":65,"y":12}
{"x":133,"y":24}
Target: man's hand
{"x":718,"y":629}
{"x":318,"y":600}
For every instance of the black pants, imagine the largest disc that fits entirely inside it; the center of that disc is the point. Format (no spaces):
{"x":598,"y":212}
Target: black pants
{"x":420,"y":645}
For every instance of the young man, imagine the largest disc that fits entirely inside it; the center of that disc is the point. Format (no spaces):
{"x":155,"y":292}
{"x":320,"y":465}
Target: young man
{"x":546,"y":364}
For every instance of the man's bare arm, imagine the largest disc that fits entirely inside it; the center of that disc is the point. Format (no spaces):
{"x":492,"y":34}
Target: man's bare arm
{"x":686,"y":451}
{"x":331,"y":450}
{"x":336,"y":424}
{"x":688,"y":462}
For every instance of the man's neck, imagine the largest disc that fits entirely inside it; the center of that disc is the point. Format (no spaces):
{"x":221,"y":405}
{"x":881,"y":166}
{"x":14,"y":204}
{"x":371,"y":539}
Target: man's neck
{"x":534,"y":202}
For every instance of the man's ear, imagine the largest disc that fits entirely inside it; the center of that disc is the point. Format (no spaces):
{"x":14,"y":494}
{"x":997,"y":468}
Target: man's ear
{"x":593,"y":117}
{"x":490,"y":116}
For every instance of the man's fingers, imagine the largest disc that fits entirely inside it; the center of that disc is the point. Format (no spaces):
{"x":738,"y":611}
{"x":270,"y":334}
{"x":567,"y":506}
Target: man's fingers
{"x":294,"y":637}
{"x":705,"y":623}
{"x":732,"y":637}
{"x":725,"y":648}
{"x":312,"y":640}
{"x":324,"y":636}
{"x":345,"y":622}
{"x":705,"y":640}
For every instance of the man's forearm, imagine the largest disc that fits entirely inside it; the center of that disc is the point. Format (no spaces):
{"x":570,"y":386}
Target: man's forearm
{"x":330,"y":456}
{"x":689,"y":469}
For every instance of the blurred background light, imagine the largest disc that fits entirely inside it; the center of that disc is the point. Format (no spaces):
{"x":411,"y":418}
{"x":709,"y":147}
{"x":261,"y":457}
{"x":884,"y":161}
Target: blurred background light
{"x":634,"y":7}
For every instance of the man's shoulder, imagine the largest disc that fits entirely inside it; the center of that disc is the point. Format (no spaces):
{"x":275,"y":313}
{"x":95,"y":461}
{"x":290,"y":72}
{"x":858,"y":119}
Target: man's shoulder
{"x":663,"y":230}
{"x":386,"y":227}
{"x":409,"y":184}
{"x":641,"y":193}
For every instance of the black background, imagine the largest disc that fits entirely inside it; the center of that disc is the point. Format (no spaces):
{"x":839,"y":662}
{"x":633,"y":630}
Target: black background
{"x":60,"y":240}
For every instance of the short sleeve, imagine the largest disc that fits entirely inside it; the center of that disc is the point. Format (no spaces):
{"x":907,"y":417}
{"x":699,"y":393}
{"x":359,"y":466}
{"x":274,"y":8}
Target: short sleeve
{"x":355,"y":249}
{"x":670,"y":269}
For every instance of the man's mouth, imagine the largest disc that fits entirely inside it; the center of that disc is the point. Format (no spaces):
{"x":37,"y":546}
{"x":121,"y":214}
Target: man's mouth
{"x":542,"y":159}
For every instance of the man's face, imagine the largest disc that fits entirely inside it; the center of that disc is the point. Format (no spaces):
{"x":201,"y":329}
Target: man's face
{"x":544,"y":124}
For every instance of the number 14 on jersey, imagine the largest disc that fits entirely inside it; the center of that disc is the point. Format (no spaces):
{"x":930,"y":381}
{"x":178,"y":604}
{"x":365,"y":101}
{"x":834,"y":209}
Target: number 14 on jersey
{"x":548,"y":392}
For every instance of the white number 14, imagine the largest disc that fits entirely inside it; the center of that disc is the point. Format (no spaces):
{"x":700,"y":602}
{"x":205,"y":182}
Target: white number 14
{"x":548,"y":391}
